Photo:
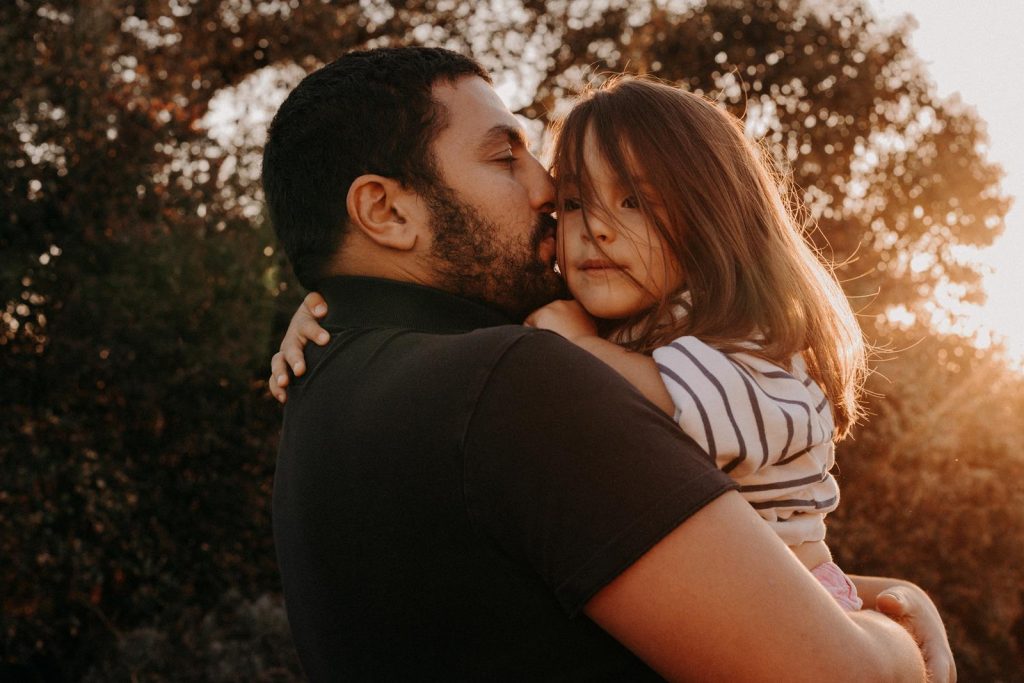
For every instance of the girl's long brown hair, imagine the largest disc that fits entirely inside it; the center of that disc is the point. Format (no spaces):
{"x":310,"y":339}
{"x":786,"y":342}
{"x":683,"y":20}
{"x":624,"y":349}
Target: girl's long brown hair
{"x":749,"y":270}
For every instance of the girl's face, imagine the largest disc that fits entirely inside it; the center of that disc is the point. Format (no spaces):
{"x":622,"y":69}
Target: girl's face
{"x":620,"y":267}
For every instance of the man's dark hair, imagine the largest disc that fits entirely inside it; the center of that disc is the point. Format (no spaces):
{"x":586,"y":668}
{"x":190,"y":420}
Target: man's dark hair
{"x":367,"y":112}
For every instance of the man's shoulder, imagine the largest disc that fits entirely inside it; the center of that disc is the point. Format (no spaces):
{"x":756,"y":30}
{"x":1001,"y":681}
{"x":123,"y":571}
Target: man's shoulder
{"x":549,"y":343}
{"x":528,"y":354}
{"x":438,"y":359}
{"x":539,"y":365}
{"x":525,"y":350}
{"x":511,"y":343}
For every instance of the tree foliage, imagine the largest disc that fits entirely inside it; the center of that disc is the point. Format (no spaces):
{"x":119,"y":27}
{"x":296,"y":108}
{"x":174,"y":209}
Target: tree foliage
{"x":932,"y":492}
{"x":141,"y":294}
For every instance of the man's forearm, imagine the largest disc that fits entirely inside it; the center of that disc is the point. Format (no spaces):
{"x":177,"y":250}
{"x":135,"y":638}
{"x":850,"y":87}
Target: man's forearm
{"x":892,"y":643}
{"x":721,"y":598}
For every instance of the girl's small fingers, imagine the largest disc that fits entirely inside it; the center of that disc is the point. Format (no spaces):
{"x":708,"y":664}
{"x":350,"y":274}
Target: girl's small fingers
{"x":294,"y":340}
{"x":279,"y":370}
{"x":279,"y":394}
{"x":315,"y":304}
{"x":310,"y":329}
{"x":295,"y":360}
{"x":274,"y":382}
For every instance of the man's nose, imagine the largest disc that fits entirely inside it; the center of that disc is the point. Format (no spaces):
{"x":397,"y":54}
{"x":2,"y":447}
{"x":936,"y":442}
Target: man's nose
{"x":542,"y":189}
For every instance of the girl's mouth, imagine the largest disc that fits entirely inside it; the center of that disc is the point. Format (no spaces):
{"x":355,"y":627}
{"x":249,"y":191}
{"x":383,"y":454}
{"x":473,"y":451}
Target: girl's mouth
{"x":597,"y":265}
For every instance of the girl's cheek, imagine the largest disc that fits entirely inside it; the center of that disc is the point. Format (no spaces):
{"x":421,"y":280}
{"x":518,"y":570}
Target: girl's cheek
{"x":560,"y":237}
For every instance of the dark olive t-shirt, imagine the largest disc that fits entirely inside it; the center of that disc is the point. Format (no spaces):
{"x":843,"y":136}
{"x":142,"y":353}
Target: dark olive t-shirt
{"x":452,"y":489}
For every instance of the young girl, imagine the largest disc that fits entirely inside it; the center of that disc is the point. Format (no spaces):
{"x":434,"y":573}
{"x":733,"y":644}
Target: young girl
{"x":691,"y":278}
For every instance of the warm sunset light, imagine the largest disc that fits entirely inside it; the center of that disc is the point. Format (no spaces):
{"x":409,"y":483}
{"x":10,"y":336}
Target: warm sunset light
{"x":973,"y":50}
{"x":467,"y":476}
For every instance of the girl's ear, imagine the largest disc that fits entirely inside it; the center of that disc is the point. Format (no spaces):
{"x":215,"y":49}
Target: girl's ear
{"x":385,"y":212}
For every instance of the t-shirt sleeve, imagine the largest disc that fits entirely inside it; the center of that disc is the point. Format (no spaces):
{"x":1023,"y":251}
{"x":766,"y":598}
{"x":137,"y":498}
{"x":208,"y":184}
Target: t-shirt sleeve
{"x":572,"y":473}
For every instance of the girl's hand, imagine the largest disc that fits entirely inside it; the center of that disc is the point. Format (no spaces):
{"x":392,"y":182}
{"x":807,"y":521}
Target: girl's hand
{"x":567,"y":318}
{"x":303,"y":328}
{"x":909,"y":606}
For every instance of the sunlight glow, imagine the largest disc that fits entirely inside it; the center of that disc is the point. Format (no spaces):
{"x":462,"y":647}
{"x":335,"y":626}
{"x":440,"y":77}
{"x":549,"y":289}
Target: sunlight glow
{"x":972,"y":49}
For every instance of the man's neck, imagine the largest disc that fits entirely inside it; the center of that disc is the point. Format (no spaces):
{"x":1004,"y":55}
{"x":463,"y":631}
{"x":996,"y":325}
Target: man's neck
{"x":357,"y":301}
{"x":360,"y":257}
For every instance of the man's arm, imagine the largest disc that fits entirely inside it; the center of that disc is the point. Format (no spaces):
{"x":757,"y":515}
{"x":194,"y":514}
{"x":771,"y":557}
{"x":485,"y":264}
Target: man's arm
{"x":604,"y":498}
{"x":910,"y":606}
{"x":721,"y":598}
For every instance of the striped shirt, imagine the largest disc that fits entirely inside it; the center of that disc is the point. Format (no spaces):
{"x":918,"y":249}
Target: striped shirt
{"x":770,"y":429}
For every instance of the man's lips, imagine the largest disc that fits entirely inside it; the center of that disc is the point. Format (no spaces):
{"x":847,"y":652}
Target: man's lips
{"x":546,"y":248}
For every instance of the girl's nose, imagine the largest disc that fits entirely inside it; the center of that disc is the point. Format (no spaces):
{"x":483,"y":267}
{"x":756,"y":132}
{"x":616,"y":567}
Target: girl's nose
{"x":599,"y":229}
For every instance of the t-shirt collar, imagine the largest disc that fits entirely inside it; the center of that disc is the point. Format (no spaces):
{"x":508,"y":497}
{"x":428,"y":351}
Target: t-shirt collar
{"x":376,"y":302}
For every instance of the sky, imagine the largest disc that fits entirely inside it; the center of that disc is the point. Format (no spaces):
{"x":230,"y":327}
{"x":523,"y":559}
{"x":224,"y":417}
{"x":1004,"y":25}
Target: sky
{"x":974,"y":48}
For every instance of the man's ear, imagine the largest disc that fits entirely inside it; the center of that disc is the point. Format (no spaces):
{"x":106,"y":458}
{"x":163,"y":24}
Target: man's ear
{"x":385,"y":212}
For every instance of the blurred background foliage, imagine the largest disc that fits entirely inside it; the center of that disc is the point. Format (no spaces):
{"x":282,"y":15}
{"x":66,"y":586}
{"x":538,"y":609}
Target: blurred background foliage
{"x":141,"y":297}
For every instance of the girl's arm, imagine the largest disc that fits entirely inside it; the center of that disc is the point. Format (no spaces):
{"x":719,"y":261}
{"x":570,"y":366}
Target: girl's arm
{"x":302,"y":328}
{"x":568,"y":319}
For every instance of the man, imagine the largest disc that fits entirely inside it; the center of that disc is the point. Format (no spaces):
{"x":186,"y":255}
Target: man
{"x":461,"y":498}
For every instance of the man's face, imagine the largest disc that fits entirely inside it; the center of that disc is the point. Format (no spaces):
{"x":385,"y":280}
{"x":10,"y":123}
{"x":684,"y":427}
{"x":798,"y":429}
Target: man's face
{"x":493,"y":233}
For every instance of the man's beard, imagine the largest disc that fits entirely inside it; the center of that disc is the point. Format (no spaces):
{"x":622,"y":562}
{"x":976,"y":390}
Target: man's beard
{"x":472,"y":261}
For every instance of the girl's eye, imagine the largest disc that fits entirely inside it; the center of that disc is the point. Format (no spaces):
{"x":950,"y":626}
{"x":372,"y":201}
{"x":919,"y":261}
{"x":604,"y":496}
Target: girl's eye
{"x":571,"y":204}
{"x":630,"y":202}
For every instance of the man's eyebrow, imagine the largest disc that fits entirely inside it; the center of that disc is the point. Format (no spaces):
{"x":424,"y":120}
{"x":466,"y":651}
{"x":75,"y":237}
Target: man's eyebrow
{"x":511,"y":135}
